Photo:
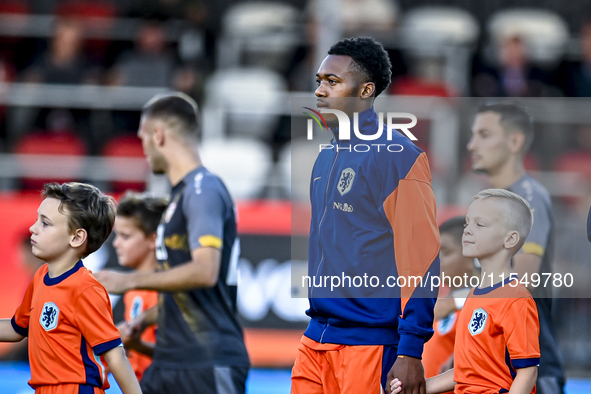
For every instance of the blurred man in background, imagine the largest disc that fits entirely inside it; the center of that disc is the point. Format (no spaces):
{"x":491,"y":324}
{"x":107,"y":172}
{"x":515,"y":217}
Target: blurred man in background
{"x":502,"y":134}
{"x":199,"y":345}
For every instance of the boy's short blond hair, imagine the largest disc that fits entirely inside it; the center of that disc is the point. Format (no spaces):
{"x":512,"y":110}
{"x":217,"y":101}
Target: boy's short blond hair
{"x":518,"y":215}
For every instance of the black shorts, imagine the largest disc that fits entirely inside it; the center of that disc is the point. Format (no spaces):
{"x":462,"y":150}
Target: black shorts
{"x":206,"y":380}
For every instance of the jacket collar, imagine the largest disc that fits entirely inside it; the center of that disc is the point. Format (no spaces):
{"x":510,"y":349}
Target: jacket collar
{"x":368,"y":124}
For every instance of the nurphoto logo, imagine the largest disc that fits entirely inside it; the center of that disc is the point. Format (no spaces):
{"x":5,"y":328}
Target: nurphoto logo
{"x":344,"y":128}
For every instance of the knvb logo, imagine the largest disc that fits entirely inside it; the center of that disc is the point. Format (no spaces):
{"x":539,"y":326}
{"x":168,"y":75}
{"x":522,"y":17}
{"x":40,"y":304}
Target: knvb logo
{"x":478,"y":321}
{"x":345,"y":124}
{"x":49,"y":316}
{"x":346,"y":181}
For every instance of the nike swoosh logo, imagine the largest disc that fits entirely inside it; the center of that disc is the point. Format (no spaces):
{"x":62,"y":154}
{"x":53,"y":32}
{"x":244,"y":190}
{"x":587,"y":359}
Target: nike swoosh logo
{"x":315,"y":179}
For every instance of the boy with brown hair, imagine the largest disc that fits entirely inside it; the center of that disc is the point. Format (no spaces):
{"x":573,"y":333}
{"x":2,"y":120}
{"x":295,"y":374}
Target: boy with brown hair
{"x":66,"y":312}
{"x":138,"y":216}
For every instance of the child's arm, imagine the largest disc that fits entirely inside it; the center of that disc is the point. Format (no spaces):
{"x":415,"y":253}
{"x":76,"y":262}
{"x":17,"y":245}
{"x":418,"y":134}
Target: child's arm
{"x":524,"y":381}
{"x":7,"y":333}
{"x":122,"y":371}
{"x":441,"y":383}
{"x":438,"y":384}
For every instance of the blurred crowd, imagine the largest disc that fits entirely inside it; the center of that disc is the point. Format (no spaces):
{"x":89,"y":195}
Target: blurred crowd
{"x":184,"y":45}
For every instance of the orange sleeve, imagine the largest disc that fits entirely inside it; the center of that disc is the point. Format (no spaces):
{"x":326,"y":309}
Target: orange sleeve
{"x":411,"y":210}
{"x":94,"y":319}
{"x":20,"y":320}
{"x":521,"y":327}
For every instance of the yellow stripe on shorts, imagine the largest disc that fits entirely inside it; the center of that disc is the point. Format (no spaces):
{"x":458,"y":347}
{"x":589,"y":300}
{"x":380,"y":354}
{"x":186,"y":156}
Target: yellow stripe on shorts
{"x":210,"y":241}
{"x":533,"y":248}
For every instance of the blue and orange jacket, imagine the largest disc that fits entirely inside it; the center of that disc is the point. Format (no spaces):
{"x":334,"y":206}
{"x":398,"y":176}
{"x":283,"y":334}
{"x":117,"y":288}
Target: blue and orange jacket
{"x":373,"y":214}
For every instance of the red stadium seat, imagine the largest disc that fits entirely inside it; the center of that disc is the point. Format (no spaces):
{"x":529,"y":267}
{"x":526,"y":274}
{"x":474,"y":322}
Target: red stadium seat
{"x":63,"y":158}
{"x":124,"y":146}
{"x":411,"y":86}
{"x":577,"y":163}
{"x":86,"y":9}
{"x":17,"y":13}
{"x":14,"y":7}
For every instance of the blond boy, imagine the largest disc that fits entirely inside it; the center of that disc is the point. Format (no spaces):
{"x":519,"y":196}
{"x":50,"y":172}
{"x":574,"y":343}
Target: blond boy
{"x":497,"y":347}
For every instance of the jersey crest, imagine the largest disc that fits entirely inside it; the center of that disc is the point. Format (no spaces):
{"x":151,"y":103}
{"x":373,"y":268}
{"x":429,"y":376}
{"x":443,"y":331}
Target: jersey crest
{"x":137,"y":305}
{"x":446,"y":324}
{"x":49,"y":316}
{"x":346,"y":181}
{"x":478,"y":321}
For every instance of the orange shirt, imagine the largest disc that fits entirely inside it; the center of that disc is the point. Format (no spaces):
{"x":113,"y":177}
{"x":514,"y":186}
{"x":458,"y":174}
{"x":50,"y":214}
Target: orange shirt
{"x":497,"y":334}
{"x":136,"y":302}
{"x":69,"y":322}
{"x":441,"y":346}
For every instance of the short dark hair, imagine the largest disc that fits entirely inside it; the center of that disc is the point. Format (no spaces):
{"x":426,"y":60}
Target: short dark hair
{"x":454,"y":227}
{"x":87,"y":208}
{"x":178,"y":109}
{"x":144,"y":209}
{"x":513,"y":117}
{"x":371,"y":61}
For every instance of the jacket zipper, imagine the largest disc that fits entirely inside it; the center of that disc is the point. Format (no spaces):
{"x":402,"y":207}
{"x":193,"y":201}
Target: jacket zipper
{"x":320,"y":224}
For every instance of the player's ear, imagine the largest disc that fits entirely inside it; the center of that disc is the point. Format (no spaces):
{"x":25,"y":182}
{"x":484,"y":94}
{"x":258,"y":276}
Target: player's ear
{"x":516,"y":142}
{"x":367,"y":90}
{"x":79,"y":237}
{"x":511,"y":239}
{"x":152,"y":239}
{"x":159,"y":135}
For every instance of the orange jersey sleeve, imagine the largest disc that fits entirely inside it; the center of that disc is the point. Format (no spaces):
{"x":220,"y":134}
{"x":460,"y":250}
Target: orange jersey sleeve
{"x":522,"y":329}
{"x":94,"y":319}
{"x":20,"y":320}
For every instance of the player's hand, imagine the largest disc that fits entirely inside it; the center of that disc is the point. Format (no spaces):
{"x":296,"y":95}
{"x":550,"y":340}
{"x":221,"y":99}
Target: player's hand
{"x":395,"y":386}
{"x":123,"y":330}
{"x":133,"y":343}
{"x":136,"y":327}
{"x":410,"y":371}
{"x":114,"y":282}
